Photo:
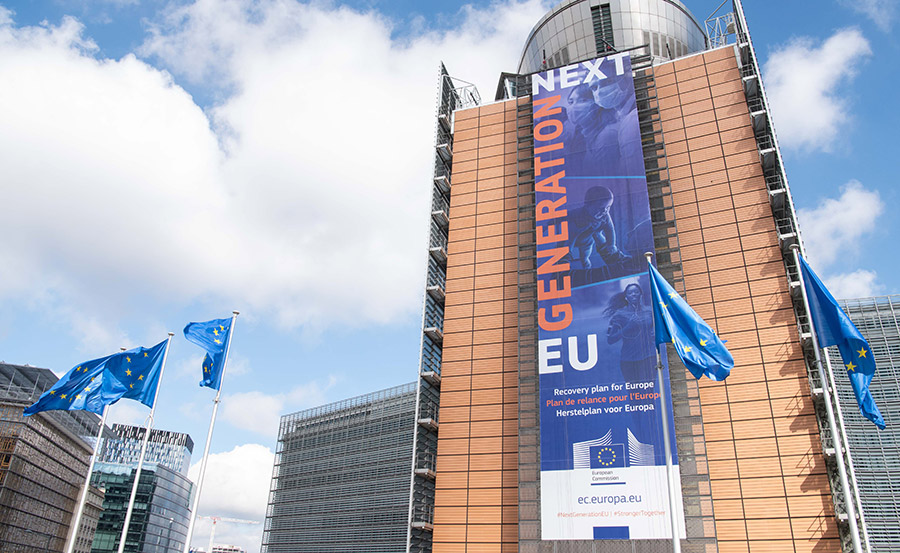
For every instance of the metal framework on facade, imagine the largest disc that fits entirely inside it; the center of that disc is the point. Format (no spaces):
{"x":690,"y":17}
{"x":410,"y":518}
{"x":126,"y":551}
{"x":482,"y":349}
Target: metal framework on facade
{"x":340,"y":478}
{"x":788,"y":235}
{"x":875,"y":453}
{"x":43,"y":463}
{"x":453,"y":94}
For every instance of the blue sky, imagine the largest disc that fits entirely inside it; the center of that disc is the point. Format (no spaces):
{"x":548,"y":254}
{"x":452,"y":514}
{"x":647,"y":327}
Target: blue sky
{"x":166,"y":162}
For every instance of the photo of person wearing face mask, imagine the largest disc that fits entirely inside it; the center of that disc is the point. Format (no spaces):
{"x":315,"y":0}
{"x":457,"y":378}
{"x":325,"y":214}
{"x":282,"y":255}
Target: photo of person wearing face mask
{"x":595,"y":230}
{"x":595,"y":113}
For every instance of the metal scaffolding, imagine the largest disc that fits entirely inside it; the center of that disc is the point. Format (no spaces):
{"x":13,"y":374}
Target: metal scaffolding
{"x":453,"y":94}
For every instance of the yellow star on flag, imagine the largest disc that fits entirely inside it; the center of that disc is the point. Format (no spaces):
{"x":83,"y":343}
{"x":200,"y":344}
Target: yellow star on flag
{"x":687,"y":349}
{"x":62,"y":396}
{"x":52,"y":392}
{"x":127,"y":372}
{"x":140,"y":377}
{"x":78,"y":396}
{"x":862,"y":352}
{"x":216,"y":331}
{"x":673,"y":294}
{"x":851,"y":366}
{"x":222,"y":327}
{"x":703,"y":343}
{"x":663,"y":304}
{"x":145,"y":354}
{"x":131,"y":385}
{"x":217,"y":341}
{"x":128,"y":359}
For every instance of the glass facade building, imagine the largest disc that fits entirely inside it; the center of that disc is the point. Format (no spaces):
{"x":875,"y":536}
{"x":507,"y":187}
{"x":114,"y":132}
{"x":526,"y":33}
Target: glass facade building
{"x":43,"y":464}
{"x":341,"y":476}
{"x":162,"y":505}
{"x":170,"y":449}
{"x":876,"y":453}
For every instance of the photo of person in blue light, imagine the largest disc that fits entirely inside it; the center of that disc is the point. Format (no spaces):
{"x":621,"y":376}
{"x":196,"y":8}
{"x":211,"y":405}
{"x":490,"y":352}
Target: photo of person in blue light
{"x":614,"y":95}
{"x":631,"y":323}
{"x":595,"y":230}
{"x":606,"y":146}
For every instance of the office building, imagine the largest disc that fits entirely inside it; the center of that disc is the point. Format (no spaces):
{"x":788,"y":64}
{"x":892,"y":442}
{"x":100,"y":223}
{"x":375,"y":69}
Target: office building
{"x":170,"y":449}
{"x":44,"y":460}
{"x":504,"y":276}
{"x":876,"y":453}
{"x":341,"y":476}
{"x":162,"y":505}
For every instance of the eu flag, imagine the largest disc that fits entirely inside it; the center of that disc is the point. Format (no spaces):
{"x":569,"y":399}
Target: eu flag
{"x":834,"y":328}
{"x":213,"y":337}
{"x":607,"y":456}
{"x":79,"y":389}
{"x":701,"y":351}
{"x":92,"y":385}
{"x":135,"y":374}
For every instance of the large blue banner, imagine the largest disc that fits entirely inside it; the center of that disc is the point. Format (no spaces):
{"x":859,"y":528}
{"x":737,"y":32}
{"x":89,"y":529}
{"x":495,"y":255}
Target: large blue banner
{"x":602,"y":458}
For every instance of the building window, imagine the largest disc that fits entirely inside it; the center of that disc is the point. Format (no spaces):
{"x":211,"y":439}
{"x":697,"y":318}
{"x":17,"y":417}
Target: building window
{"x":603,"y":29}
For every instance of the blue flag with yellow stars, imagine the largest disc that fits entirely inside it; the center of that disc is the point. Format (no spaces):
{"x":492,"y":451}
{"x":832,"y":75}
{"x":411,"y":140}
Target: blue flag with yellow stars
{"x":92,"y":385}
{"x":79,"y":389}
{"x":834,"y":328}
{"x":135,"y":373}
{"x":213,"y":337}
{"x":701,"y":351}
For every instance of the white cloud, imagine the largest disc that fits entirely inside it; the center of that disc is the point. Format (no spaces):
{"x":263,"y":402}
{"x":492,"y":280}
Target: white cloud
{"x":803,"y":83}
{"x":260,"y":412}
{"x":833,"y":229}
{"x":858,"y":284}
{"x":189,"y":368}
{"x":236,"y":486}
{"x":304,"y":194}
{"x":128,"y":412}
{"x":881,"y":12}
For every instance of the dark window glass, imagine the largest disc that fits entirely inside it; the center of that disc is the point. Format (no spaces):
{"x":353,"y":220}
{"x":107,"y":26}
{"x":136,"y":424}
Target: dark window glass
{"x":603,"y":29}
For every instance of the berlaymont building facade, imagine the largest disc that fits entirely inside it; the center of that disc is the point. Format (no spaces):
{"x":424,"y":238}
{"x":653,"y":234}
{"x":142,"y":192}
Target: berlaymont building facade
{"x":511,"y":264}
{"x":629,"y":126}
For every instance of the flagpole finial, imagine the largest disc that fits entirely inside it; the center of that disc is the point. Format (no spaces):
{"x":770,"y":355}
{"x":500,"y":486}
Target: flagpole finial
{"x":171,"y":334}
{"x":236,"y":313}
{"x":649,"y":256}
{"x":795,"y":247}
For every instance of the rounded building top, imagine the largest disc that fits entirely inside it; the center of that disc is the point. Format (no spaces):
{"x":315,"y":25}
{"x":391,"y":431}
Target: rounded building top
{"x":576,"y":30}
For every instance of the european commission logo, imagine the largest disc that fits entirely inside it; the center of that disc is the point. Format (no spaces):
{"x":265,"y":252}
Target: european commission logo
{"x":607,"y":456}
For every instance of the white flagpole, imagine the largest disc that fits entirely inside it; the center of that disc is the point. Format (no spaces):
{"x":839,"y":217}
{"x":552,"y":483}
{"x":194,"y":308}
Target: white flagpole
{"x":850,"y":470}
{"x":137,"y":474}
{"x":212,"y":423}
{"x":70,"y":547}
{"x":664,"y":412}
{"x":835,"y":439}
